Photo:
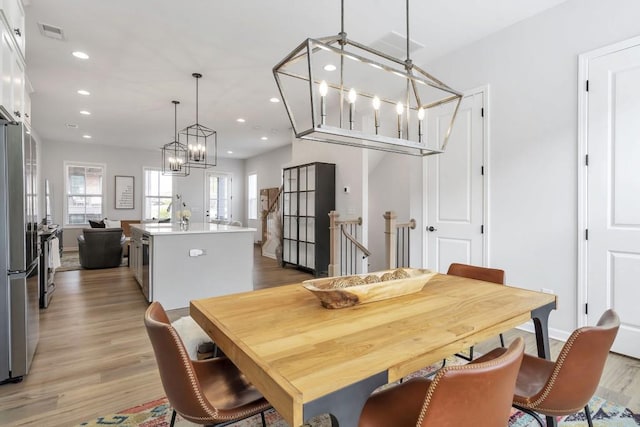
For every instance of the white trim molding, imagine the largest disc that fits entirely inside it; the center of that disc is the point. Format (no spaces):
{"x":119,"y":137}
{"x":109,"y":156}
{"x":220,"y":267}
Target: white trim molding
{"x":583,"y":112}
{"x":486,"y":259}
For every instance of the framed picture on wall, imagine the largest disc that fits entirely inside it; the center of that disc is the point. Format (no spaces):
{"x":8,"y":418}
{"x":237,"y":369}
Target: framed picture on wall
{"x":124,"y":192}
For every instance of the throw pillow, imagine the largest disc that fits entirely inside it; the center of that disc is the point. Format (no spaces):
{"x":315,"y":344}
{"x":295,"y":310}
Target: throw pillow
{"x":96,"y":224}
{"x":112,"y":223}
{"x":191,"y":334}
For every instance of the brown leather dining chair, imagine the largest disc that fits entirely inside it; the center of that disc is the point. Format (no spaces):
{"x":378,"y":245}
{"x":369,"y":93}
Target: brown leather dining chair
{"x":211,"y":391}
{"x":565,"y":386}
{"x":486,"y":274}
{"x":451,"y":399}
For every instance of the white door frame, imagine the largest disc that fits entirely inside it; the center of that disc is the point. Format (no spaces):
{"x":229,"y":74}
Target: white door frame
{"x":583,"y":122}
{"x":485,"y":181}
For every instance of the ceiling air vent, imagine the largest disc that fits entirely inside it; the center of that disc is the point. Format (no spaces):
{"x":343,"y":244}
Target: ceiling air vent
{"x":395,"y":44}
{"x":51,"y":31}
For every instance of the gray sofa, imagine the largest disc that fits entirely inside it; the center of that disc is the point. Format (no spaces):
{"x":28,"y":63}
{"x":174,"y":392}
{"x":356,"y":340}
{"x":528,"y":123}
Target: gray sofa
{"x":101,"y":247}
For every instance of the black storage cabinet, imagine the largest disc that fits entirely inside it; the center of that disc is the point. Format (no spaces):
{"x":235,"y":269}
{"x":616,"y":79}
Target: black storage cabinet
{"x":309,"y":194}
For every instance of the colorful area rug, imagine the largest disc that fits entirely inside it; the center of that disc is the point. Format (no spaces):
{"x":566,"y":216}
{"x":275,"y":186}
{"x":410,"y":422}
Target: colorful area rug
{"x":158,"y":414}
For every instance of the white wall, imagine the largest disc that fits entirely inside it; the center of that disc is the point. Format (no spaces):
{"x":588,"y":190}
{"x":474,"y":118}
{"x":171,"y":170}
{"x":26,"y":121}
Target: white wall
{"x":350,"y":163}
{"x":268,"y":167}
{"x":531,"y":68}
{"x":389,"y":179}
{"x":129,"y":161}
{"x":193,"y":188}
{"x":351,"y":171}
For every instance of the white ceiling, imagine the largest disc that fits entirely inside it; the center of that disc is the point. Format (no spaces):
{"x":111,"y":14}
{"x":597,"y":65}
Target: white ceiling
{"x":143,"y":52}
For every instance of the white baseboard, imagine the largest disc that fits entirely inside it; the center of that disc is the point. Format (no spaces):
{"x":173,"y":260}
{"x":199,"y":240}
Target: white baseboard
{"x":269,"y":254}
{"x":556,"y":334}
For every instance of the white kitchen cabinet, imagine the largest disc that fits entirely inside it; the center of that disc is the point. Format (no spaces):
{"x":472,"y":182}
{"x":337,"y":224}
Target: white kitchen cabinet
{"x":12,"y":12}
{"x":12,"y":69}
{"x":199,"y":261}
{"x":135,"y":255}
{"x":27,"y":108}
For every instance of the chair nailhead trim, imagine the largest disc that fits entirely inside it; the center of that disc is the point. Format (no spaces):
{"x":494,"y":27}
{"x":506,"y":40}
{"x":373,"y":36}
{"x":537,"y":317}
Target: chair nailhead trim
{"x":192,"y":377}
{"x":554,"y":375}
{"x":213,"y":415}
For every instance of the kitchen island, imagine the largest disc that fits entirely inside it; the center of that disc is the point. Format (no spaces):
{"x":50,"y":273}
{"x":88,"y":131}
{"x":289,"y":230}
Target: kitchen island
{"x":174,"y":263}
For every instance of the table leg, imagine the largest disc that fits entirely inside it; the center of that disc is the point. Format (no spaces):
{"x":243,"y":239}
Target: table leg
{"x":345,"y":405}
{"x":540,"y":317}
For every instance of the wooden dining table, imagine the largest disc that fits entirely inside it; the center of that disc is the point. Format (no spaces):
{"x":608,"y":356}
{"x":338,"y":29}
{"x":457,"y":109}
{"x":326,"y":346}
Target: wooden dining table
{"x":308,"y":360}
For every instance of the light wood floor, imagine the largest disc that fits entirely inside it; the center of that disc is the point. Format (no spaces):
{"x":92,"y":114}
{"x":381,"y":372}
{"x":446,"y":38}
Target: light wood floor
{"x":94,"y":357}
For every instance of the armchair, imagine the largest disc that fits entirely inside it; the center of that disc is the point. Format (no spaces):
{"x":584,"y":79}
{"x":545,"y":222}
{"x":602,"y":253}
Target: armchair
{"x":101,"y":247}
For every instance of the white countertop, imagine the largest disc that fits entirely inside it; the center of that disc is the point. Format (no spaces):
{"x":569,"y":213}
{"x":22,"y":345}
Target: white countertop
{"x":164,"y":229}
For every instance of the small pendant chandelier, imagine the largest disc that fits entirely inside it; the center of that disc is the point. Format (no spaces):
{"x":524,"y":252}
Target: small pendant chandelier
{"x":174,"y":154}
{"x":362,"y":97}
{"x":201,"y":142}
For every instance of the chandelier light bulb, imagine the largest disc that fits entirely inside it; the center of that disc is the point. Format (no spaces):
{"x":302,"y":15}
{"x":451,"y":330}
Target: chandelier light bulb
{"x":352,"y":96}
{"x":352,"y":107}
{"x":399,"y":109}
{"x":376,"y":112}
{"x":376,"y":103}
{"x":324,"y":88}
{"x":420,"y":119}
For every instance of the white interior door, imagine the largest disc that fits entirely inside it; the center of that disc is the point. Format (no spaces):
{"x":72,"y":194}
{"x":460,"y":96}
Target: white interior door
{"x":454,"y":231}
{"x":613,"y":193}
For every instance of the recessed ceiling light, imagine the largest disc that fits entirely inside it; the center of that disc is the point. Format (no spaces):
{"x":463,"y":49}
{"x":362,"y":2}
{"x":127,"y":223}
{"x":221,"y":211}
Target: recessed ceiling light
{"x":274,"y":100}
{"x":264,"y":138}
{"x":80,"y":55}
{"x":329,"y":67}
{"x":240,"y":120}
{"x":85,"y":113}
{"x":229,"y":152}
{"x":86,"y":136}
{"x":84,"y":92}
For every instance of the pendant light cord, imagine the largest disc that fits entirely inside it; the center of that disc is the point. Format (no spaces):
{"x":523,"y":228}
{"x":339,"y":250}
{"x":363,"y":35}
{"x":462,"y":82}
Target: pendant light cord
{"x":197,"y":78}
{"x":175,"y":126}
{"x":408,"y":30}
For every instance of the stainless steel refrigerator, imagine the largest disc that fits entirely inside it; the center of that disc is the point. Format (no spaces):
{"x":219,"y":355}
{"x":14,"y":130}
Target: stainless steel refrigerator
{"x":19,"y":250}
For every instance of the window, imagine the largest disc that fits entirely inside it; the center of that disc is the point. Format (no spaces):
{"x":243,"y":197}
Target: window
{"x":252,"y":192}
{"x":84,"y":185}
{"x":158,"y":194}
{"x":219,"y":196}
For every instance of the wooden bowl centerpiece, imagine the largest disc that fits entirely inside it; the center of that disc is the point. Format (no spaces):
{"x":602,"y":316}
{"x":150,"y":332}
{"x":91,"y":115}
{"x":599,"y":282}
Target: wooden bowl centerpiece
{"x":347,"y":291}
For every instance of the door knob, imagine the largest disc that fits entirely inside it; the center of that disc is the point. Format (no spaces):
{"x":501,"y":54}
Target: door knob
{"x":431,"y":228}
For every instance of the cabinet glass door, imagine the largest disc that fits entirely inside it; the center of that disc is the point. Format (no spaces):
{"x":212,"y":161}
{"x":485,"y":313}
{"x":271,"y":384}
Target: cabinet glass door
{"x":303,"y":172}
{"x":287,"y":180}
{"x":310,"y":225}
{"x":311,"y":178}
{"x":309,"y":255}
{"x":303,"y":204}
